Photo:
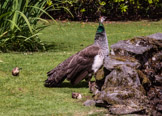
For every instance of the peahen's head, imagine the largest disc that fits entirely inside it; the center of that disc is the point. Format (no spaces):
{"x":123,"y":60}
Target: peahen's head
{"x":101,"y":28}
{"x":102,"y":19}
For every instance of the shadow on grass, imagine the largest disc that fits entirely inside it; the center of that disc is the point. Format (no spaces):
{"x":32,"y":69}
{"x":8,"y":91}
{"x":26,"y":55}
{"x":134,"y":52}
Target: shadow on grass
{"x":52,"y":46}
{"x":63,"y":46}
{"x":82,"y":84}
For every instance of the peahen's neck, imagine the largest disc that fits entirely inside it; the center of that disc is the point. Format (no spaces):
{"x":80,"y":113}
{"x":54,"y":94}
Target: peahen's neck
{"x":101,"y":39}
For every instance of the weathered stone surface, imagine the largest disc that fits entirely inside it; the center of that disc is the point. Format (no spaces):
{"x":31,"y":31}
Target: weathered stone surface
{"x":155,"y":97}
{"x":153,"y":68}
{"x":159,"y":107}
{"x":113,"y":61}
{"x":89,"y":103}
{"x":122,"y":76}
{"x":158,"y":79}
{"x":156,"y":36}
{"x":138,"y":45}
{"x":141,"y":48}
{"x":122,"y":87}
{"x":93,"y":88}
{"x":123,"y":109}
{"x":157,"y":39}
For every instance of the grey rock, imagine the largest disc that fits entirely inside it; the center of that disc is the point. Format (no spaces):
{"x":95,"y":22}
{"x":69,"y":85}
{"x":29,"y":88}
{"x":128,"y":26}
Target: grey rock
{"x":141,"y":48}
{"x":113,"y":61}
{"x":123,"y":109}
{"x":159,"y":107}
{"x":156,"y":36}
{"x":89,"y":103}
{"x":152,"y":68}
{"x":122,"y":87}
{"x":135,"y":46}
{"x":158,"y":79}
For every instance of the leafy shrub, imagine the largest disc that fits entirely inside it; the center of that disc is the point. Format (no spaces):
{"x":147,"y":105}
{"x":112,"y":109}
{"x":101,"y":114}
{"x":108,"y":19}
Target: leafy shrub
{"x":113,"y":9}
{"x":18,"y":20}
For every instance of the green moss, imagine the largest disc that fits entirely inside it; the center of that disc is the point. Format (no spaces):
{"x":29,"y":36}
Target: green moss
{"x":123,"y":58}
{"x":100,"y":74}
{"x":145,"y":79}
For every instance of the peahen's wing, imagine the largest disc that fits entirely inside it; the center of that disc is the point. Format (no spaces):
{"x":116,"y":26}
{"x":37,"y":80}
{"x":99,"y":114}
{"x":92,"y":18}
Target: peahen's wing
{"x":75,"y":68}
{"x":81,"y":64}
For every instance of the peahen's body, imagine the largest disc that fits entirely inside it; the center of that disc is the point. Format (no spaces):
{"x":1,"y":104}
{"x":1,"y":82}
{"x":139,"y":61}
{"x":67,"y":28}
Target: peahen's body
{"x":83,"y":64}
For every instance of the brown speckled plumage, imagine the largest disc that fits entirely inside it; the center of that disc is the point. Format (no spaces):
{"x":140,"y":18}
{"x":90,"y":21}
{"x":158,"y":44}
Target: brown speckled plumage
{"x":75,"y":68}
{"x":79,"y":66}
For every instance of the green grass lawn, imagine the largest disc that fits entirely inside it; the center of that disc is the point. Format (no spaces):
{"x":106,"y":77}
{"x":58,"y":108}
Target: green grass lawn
{"x":25,"y":95}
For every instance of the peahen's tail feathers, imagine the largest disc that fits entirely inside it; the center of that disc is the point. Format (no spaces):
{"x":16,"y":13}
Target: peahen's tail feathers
{"x":54,"y":80}
{"x":54,"y":83}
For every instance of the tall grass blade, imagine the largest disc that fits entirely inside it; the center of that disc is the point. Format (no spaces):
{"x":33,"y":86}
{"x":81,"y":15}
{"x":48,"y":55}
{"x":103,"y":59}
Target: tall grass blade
{"x":3,"y":34}
{"x":14,"y":24}
{"x":32,"y":36}
{"x":38,"y":18}
{"x":5,"y":14}
{"x":43,"y":12}
{"x":15,"y":15}
{"x":26,"y":20}
{"x":69,"y":11}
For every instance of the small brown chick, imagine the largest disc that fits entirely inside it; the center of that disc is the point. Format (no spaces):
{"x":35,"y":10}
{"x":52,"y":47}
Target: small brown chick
{"x":76,"y":95}
{"x":15,"y":71}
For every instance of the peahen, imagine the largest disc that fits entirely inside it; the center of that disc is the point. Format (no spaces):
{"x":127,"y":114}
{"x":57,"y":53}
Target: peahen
{"x":83,"y":64}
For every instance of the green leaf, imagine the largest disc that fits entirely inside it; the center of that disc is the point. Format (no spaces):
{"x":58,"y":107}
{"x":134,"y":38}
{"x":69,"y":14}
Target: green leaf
{"x":32,"y":36}
{"x":26,"y":20}
{"x":5,"y":14}
{"x":68,"y":11}
{"x":123,"y":8}
{"x":14,"y":24}
{"x":150,"y":1}
{"x":3,"y":34}
{"x":43,"y":11}
{"x":41,"y":19}
{"x":102,"y":3}
{"x":15,"y":7}
{"x":49,"y":2}
{"x":82,"y":10}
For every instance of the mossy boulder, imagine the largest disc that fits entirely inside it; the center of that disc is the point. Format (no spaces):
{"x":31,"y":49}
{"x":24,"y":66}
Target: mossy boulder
{"x":122,"y":87}
{"x":132,"y":79}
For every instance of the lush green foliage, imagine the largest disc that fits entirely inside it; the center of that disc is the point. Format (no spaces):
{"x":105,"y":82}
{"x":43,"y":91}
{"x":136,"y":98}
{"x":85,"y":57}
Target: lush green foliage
{"x":25,"y":95}
{"x":114,"y":9}
{"x":18,"y":20}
